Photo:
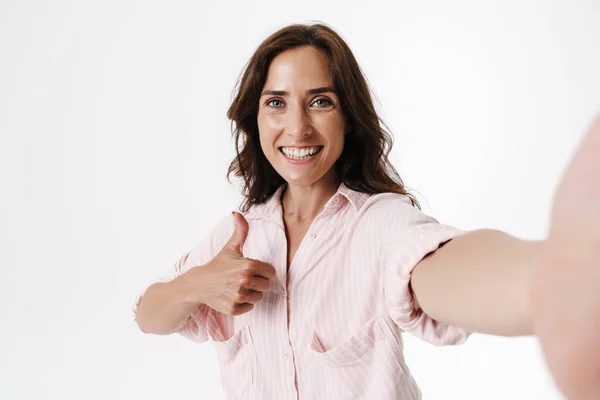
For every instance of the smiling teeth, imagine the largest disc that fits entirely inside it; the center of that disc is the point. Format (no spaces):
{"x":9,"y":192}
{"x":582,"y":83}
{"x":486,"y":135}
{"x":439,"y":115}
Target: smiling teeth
{"x":300,"y":154}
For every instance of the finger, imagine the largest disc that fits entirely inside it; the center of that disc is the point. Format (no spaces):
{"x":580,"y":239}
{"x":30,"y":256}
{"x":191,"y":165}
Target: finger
{"x":257,"y":283}
{"x":250,"y":297}
{"x":238,"y":238}
{"x":242,"y":308}
{"x":264,"y":270}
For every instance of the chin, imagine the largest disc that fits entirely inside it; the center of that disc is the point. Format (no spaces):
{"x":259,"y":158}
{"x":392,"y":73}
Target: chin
{"x":303,"y":176}
{"x":304,"y":179}
{"x":300,"y":181}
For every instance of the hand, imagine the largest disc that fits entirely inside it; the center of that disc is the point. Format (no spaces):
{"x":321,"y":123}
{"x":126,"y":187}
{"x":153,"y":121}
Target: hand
{"x":232,"y":284}
{"x":566,"y":285}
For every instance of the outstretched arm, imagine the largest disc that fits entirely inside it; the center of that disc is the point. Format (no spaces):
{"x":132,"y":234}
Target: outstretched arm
{"x":480,"y":282}
{"x":489,"y":282}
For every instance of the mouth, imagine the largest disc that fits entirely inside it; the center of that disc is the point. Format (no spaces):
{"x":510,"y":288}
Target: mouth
{"x":300,"y":153}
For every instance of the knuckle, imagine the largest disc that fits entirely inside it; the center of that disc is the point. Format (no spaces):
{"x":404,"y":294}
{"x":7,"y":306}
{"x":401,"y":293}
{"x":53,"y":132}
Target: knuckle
{"x":245,"y":282}
{"x":239,"y":287}
{"x":242,"y":308}
{"x":238,"y":297}
{"x":250,"y":265}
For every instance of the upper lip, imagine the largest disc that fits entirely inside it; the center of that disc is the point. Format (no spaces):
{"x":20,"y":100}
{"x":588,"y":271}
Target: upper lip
{"x":300,"y":147}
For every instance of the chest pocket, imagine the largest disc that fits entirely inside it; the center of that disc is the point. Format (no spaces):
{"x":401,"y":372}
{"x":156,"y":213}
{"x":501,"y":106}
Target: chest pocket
{"x":237,"y":359}
{"x":369,"y":362}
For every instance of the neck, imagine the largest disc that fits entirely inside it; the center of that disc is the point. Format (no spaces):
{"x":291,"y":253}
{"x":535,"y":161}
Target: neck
{"x":304,"y":203}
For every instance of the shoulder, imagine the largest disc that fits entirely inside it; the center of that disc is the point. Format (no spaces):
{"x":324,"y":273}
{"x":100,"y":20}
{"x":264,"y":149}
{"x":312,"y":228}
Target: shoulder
{"x":387,"y":200}
{"x":393,"y":207}
{"x":389,"y":215}
{"x":225,"y":225}
{"x":220,"y":233}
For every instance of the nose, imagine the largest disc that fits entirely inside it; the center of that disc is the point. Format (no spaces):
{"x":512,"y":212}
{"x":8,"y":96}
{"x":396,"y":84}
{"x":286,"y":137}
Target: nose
{"x":298,"y":124}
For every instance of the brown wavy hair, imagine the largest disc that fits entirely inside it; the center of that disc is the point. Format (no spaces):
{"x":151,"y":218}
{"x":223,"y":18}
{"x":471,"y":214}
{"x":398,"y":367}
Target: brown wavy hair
{"x":363,"y":165}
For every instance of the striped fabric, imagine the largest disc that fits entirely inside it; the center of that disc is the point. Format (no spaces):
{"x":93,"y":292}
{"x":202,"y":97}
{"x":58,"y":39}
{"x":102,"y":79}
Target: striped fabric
{"x":330,"y":327}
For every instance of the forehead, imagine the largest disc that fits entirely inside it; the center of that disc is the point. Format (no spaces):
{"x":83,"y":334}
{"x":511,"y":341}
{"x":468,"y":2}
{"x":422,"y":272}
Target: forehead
{"x":302,"y":67}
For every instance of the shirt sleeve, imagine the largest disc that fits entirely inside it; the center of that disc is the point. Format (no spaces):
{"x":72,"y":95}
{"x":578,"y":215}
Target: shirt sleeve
{"x":195,"y":327}
{"x":413,"y":236}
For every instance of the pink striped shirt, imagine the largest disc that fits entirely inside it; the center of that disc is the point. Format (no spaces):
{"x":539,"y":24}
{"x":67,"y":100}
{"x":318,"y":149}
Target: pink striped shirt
{"x":330,"y":326}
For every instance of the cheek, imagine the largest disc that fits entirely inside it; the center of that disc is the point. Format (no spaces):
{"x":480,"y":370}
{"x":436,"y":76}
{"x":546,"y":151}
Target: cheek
{"x":263,"y":135}
{"x":268,"y":131}
{"x":333,"y":129}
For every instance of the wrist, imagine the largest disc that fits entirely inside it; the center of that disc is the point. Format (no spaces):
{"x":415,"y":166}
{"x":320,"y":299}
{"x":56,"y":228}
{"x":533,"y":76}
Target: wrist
{"x":190,"y":286}
{"x":549,"y":279}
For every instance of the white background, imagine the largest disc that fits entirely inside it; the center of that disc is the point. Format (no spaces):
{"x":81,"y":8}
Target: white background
{"x":114,"y":147}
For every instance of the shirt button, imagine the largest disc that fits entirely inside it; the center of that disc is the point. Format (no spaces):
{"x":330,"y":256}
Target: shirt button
{"x":336,"y":200}
{"x":313,"y":235}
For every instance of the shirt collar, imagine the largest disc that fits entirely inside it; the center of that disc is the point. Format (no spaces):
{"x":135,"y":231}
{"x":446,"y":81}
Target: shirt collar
{"x":343,"y":195}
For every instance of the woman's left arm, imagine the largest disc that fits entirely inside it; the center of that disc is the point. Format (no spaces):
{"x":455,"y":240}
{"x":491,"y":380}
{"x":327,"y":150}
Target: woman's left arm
{"x":479,"y":281}
{"x":490,"y":282}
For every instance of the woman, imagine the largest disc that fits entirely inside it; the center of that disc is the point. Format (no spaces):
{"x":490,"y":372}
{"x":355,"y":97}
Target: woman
{"x":307,"y":293}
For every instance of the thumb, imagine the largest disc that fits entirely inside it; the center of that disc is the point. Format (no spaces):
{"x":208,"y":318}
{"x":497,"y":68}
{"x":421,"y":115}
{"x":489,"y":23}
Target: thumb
{"x":238,"y":238}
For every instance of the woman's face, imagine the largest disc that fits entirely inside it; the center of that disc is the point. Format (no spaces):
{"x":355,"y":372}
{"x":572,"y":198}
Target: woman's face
{"x":300,"y":121}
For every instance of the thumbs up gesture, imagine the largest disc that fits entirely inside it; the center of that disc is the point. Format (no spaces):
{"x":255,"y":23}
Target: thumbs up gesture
{"x":232,"y":284}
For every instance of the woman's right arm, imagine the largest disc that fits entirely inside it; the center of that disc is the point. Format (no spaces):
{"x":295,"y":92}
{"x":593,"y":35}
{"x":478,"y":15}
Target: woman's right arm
{"x":166,"y":306}
{"x":229,"y":283}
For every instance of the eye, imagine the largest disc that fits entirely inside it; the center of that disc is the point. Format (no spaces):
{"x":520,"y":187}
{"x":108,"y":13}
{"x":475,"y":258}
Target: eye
{"x":275,"y":103}
{"x":322,"y":102}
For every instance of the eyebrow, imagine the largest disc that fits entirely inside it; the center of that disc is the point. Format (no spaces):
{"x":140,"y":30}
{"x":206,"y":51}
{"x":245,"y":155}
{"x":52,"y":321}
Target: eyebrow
{"x":311,"y":91}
